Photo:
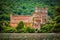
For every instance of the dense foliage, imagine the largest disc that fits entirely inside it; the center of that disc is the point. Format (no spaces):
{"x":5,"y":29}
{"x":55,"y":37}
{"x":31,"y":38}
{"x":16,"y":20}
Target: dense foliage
{"x":57,"y":19}
{"x":27,"y":7}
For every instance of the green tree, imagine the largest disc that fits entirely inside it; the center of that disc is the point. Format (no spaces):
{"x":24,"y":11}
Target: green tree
{"x":20,"y":26}
{"x":57,"y":19}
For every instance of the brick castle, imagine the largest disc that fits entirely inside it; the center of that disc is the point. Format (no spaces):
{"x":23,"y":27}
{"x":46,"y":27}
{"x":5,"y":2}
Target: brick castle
{"x":40,"y":16}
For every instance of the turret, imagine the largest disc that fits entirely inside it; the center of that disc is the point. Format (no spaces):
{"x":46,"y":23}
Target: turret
{"x":37,"y":9}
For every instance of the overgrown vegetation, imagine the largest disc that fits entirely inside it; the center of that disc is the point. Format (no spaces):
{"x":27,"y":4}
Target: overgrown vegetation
{"x":27,"y":7}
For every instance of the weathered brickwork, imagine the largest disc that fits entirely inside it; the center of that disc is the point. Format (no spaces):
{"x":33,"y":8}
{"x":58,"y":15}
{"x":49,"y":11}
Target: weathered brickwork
{"x":40,"y":16}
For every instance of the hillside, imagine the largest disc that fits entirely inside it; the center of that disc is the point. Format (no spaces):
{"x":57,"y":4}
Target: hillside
{"x":25,"y":7}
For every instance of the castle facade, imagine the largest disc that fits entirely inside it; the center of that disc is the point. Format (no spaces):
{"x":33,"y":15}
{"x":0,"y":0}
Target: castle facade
{"x":40,"y":16}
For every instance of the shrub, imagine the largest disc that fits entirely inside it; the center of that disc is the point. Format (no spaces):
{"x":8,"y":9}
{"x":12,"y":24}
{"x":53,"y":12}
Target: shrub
{"x":9,"y":30}
{"x":24,"y":30}
{"x":46,"y":28}
{"x":56,"y":27}
{"x":39,"y":31}
{"x":30,"y":30}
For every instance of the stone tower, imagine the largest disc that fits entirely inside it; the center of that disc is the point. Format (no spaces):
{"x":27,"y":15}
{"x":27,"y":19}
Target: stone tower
{"x":40,"y":17}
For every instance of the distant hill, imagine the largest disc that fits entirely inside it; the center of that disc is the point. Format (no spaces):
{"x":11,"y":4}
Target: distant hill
{"x":26,"y":7}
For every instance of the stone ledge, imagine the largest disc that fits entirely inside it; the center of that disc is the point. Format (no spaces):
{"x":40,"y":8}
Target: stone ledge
{"x":30,"y":36}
